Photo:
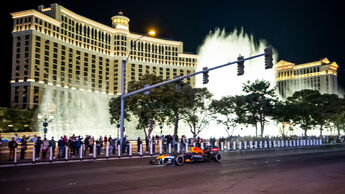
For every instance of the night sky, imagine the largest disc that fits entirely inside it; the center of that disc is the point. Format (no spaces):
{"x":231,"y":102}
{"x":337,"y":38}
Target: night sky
{"x":301,"y":31}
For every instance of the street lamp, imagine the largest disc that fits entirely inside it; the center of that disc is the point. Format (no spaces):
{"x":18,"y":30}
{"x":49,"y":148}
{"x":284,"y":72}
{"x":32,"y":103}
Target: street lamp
{"x":46,"y":119}
{"x":122,"y":122}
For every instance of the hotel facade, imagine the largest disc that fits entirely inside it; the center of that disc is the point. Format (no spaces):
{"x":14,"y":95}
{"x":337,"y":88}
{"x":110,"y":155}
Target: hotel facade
{"x":319,"y":75}
{"x":57,"y":48}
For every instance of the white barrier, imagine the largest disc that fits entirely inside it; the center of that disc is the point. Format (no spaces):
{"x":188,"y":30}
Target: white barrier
{"x":265,"y":144}
{"x":33,"y":155}
{"x":94,"y":150}
{"x":234,"y":145}
{"x":141,"y":150}
{"x":250,"y":144}
{"x":239,"y":145}
{"x":256,"y":144}
{"x":260,"y":144}
{"x":119,"y":151}
{"x":81,"y":152}
{"x":178,"y":147}
{"x":278,"y":143}
{"x":320,"y":141}
{"x":169,"y":148}
{"x":245,"y":145}
{"x":50,"y":154}
{"x":294,"y":143}
{"x":15,"y":156}
{"x":228,"y":146}
{"x":202,"y":145}
{"x":274,"y":143}
{"x":222,"y":146}
{"x":187,"y":147}
{"x":160,"y":147}
{"x":150,"y":148}
{"x":270,"y":144}
{"x":282,"y":143}
{"x":66,"y":153}
{"x":107,"y":150}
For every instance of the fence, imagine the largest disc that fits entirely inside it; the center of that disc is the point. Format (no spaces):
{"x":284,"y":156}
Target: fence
{"x":18,"y":155}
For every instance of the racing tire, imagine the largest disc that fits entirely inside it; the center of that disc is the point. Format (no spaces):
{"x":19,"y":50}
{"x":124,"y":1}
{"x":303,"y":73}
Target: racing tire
{"x":217,"y":157}
{"x":179,"y":160}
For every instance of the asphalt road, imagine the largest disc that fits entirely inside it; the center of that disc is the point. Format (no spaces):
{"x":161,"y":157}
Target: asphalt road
{"x":290,"y":171}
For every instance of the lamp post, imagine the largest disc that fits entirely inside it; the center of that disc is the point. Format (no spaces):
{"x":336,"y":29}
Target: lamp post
{"x":123,"y":70}
{"x":46,"y":119}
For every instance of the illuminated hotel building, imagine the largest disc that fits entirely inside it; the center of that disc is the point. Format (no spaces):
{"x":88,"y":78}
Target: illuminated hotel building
{"x":55,"y":47}
{"x":319,"y":75}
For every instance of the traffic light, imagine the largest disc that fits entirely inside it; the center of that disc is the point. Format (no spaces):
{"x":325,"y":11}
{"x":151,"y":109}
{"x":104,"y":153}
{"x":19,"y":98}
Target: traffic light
{"x":240,"y":65}
{"x":268,"y":58}
{"x":205,"y":76}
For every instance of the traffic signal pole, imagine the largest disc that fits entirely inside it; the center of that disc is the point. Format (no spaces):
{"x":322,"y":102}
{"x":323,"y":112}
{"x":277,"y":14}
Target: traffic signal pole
{"x":187,"y":76}
{"x":205,"y":70}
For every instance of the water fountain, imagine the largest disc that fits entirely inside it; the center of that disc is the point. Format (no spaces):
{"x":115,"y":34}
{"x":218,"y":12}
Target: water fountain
{"x":221,"y":47}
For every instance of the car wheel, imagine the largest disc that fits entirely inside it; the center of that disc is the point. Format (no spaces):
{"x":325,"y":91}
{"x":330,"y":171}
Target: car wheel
{"x":179,"y":160}
{"x":217,"y":157}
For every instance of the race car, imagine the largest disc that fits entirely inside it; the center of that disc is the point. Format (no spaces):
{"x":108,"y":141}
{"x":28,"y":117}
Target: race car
{"x":195,"y":154}
{"x":167,"y":159}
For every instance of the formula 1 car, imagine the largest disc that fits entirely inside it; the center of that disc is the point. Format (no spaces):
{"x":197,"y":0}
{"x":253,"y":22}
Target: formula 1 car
{"x":195,"y":154}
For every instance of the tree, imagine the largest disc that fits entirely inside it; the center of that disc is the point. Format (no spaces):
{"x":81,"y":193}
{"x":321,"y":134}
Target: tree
{"x":326,"y":107}
{"x":224,"y":112}
{"x":176,"y":102}
{"x":260,"y":99}
{"x":196,"y":115}
{"x":115,"y":110}
{"x":338,"y":118}
{"x":148,"y":108}
{"x":282,"y":115}
{"x":302,"y":108}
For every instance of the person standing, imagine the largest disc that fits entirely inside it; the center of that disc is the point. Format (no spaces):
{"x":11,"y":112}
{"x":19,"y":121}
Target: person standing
{"x":45,"y":147}
{"x":34,"y":139}
{"x":61,"y":145}
{"x":23,"y":148}
{"x":86,"y":143}
{"x":153,"y":144}
{"x":12,"y":145}
{"x":139,"y":142}
{"x":164,"y":142}
{"x":38,"y":145}
{"x":52,"y":145}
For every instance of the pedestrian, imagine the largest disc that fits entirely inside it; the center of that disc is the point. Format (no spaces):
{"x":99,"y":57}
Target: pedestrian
{"x":153,"y":144}
{"x":139,"y":142}
{"x":45,"y":147}
{"x":38,"y":145}
{"x":12,"y":145}
{"x":86,"y":143}
{"x":61,"y":145}
{"x":77,"y":146}
{"x":112,"y":145}
{"x":164,"y":141}
{"x":52,"y":146}
{"x":147,"y":143}
{"x":16,"y":138}
{"x":98,"y":146}
{"x":34,"y":139}
{"x":92,"y":142}
{"x":23,"y":148}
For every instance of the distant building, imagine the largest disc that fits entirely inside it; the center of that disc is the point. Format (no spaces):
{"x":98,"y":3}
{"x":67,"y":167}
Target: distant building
{"x":319,"y":75}
{"x":57,"y":48}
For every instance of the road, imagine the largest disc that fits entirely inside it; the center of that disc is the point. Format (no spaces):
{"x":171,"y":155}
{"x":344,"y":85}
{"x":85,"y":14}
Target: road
{"x":290,"y":171}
